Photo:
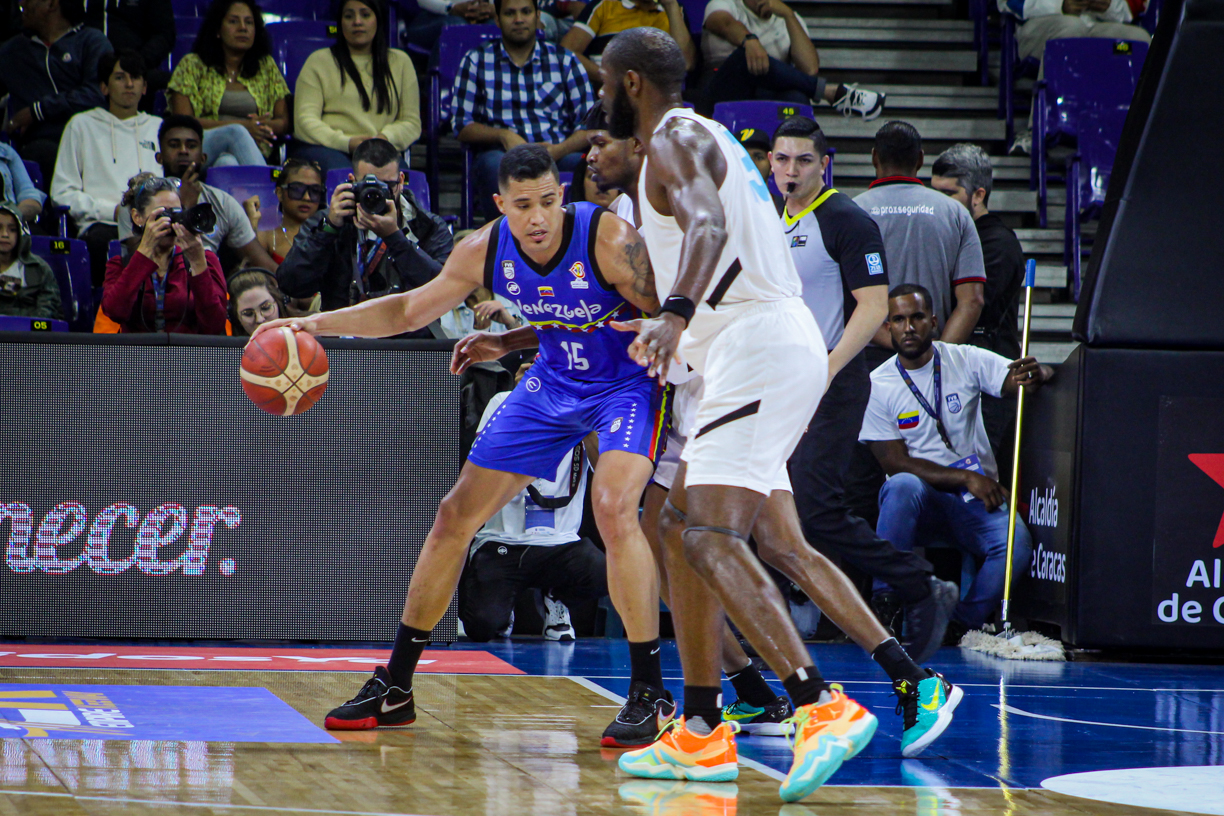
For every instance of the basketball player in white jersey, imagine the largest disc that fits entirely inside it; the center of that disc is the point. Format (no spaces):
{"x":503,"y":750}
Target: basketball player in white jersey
{"x":615,"y":164}
{"x":733,"y":311}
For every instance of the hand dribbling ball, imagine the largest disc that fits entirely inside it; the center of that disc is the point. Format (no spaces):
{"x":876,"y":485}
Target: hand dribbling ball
{"x":284,"y":372}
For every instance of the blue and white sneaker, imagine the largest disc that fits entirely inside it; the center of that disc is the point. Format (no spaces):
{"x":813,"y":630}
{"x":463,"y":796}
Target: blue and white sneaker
{"x":927,"y":708}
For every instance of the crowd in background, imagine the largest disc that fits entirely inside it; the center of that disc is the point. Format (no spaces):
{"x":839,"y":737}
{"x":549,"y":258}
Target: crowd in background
{"x":125,"y":146}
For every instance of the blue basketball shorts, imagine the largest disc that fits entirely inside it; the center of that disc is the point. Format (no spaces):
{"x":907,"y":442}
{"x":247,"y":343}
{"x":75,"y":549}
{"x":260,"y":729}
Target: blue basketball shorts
{"x":547,"y":414}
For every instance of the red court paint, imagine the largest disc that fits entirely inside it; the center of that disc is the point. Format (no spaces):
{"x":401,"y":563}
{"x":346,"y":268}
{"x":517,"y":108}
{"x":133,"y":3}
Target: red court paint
{"x":290,"y":659}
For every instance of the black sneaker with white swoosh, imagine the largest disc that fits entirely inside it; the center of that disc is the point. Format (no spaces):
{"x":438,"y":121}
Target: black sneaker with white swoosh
{"x":379,"y":704}
{"x":645,"y":713}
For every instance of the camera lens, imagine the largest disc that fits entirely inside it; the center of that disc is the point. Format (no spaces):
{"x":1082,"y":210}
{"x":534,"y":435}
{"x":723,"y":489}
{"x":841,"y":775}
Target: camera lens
{"x":373,"y":200}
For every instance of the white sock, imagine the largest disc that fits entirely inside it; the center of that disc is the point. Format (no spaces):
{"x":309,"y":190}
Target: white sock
{"x":698,"y":726}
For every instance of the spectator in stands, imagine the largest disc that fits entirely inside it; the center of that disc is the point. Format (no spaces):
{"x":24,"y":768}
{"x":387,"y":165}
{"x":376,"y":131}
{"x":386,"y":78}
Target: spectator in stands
{"x":350,"y":255}
{"x":515,"y":91}
{"x":254,"y":298}
{"x":425,"y":28}
{"x":601,"y":20}
{"x":1046,"y":20}
{"x":101,"y":149}
{"x":557,"y":17}
{"x":358,"y":89}
{"x":182,"y":157}
{"x":171,"y":283}
{"x":929,"y":239}
{"x":300,"y":190}
{"x":760,"y":49}
{"x":50,"y":73}
{"x":27,"y":284}
{"x":18,"y":188}
{"x":230,"y":82}
{"x":533,"y":543}
{"x":481,"y":311}
{"x":963,"y":172}
{"x":924,"y":425}
{"x":146,"y":26}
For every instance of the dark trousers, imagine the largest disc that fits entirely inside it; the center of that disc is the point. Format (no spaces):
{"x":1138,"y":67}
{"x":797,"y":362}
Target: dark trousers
{"x":98,"y":238}
{"x":733,"y":82}
{"x":498,"y":573}
{"x":817,"y":468}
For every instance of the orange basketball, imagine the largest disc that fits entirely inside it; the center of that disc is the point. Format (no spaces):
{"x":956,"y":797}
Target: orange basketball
{"x":284,"y":372}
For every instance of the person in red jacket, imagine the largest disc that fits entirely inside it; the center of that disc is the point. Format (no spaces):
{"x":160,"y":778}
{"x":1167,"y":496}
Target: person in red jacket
{"x":170,"y":283}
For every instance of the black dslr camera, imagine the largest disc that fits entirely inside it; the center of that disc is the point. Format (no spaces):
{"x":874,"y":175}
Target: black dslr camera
{"x":200,"y":219}
{"x":372,"y":195}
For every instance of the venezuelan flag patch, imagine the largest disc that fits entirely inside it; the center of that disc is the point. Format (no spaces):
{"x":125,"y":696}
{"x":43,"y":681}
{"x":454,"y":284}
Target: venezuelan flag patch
{"x":907,"y":420}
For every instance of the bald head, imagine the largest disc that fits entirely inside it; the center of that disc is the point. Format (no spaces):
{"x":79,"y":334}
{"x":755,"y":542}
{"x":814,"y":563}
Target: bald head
{"x":652,"y":53}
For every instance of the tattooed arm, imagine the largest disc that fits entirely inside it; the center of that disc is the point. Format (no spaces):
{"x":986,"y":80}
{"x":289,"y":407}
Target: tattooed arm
{"x":622,"y":258}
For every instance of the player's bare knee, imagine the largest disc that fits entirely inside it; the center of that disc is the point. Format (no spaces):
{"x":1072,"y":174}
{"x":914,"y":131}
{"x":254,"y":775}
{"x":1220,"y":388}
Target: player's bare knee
{"x":704,"y":549}
{"x":671,"y":522}
{"x":615,"y":513}
{"x":454,"y":520}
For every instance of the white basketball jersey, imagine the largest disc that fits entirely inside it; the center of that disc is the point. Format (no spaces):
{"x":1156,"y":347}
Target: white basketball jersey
{"x":755,"y":265}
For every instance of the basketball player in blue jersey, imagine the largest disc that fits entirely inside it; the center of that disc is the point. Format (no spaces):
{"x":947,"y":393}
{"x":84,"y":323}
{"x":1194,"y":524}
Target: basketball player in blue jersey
{"x":733,"y":309}
{"x":616,"y":164}
{"x":570,"y":270}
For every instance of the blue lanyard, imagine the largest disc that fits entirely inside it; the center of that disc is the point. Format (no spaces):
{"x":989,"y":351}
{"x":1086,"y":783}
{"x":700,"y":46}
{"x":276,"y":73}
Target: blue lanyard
{"x":159,"y":294}
{"x":926,"y":406}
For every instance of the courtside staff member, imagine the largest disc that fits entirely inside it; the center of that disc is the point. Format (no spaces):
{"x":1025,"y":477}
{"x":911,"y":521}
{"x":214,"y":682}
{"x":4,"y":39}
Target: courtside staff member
{"x":839,"y":254}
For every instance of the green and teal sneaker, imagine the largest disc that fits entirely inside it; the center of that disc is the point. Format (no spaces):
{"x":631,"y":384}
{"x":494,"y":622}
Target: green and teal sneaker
{"x":769,"y":721}
{"x":927,"y":709}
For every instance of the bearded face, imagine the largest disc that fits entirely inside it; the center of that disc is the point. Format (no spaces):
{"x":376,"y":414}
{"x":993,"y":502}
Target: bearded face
{"x":622,"y":118}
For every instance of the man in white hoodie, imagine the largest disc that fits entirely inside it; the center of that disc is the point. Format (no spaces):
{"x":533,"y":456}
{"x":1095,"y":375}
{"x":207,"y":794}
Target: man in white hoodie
{"x":101,"y":149}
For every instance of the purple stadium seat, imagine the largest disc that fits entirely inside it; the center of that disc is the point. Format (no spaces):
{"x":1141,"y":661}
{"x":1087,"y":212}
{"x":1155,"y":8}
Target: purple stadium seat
{"x":69,"y":259}
{"x":187,"y":26}
{"x":291,"y":55}
{"x":242,"y":182}
{"x":765,"y":116}
{"x":281,"y":10}
{"x":694,"y":12}
{"x":187,"y":8}
{"x":1080,"y":74}
{"x":21,"y":324}
{"x":300,"y":29}
{"x":1099,"y":131}
{"x":36,"y":176}
{"x":1011,"y":67}
{"x":453,"y":45}
{"x":182,"y":47}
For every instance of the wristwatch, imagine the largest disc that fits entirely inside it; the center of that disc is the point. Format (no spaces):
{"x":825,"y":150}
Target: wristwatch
{"x":747,"y":37}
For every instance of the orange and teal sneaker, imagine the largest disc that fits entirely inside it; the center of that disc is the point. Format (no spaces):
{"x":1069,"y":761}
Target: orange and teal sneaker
{"x":680,"y":754}
{"x":825,"y":736}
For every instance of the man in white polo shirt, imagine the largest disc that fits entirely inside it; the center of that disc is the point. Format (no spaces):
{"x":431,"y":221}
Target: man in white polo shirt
{"x":924,"y":425}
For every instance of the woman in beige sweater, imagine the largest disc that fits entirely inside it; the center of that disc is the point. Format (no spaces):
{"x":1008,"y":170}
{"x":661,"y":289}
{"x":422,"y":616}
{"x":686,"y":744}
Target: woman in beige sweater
{"x":355,"y":90}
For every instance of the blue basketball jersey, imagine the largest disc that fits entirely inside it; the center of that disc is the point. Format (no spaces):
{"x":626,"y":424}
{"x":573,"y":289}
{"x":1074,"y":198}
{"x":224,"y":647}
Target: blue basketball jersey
{"x":567,"y":300}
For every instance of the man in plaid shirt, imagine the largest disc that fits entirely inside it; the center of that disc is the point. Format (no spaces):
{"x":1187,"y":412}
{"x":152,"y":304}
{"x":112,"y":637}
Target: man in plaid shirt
{"x":515,"y":91}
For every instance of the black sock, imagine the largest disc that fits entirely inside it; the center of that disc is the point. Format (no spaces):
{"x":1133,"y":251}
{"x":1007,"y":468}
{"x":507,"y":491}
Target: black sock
{"x":644,"y":663}
{"x":805,"y":686}
{"x":705,"y":703}
{"x":409,"y":643}
{"x":751,"y":686}
{"x":840,"y":91}
{"x":897,"y":664}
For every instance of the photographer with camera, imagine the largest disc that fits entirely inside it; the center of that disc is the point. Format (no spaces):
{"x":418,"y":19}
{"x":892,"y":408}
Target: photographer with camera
{"x":374,"y":238}
{"x":180,"y":141}
{"x":171,"y":283}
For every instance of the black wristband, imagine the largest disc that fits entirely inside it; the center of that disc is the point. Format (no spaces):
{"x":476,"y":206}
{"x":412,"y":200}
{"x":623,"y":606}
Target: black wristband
{"x":679,"y":305}
{"x":747,"y":37}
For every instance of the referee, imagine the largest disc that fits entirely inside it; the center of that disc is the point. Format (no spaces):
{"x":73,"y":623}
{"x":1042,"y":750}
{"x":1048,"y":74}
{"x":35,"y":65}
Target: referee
{"x":839,"y":253}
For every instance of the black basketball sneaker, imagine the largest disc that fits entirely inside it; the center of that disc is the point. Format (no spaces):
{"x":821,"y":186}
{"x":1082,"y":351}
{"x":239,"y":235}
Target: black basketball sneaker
{"x":641,"y":718}
{"x":379,"y":704}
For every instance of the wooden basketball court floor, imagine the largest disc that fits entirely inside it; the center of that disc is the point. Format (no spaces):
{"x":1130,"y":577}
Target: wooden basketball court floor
{"x":528,"y":743}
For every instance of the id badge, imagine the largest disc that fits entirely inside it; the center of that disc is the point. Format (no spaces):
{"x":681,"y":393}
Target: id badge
{"x":973,"y":463}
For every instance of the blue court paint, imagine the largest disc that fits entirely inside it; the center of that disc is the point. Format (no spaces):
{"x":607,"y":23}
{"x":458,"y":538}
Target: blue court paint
{"x":199,"y":713}
{"x":1019,"y":724}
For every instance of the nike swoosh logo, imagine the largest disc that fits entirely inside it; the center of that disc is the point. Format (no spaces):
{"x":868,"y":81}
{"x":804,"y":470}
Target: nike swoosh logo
{"x":934,"y":704}
{"x":387,"y":709}
{"x":420,"y":640}
{"x":656,"y":650}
